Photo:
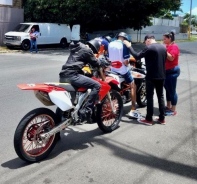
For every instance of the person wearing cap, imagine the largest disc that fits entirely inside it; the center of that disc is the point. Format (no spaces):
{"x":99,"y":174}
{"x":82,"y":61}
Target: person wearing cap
{"x":80,"y":55}
{"x":119,"y":53}
{"x":155,"y":57}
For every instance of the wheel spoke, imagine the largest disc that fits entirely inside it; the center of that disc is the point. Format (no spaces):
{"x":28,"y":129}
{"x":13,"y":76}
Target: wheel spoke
{"x":33,"y":145}
{"x":108,"y":116}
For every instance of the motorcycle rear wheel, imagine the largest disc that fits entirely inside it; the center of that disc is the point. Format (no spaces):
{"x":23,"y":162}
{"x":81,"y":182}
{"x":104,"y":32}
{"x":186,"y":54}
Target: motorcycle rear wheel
{"x":27,"y":142}
{"x":106,"y":119}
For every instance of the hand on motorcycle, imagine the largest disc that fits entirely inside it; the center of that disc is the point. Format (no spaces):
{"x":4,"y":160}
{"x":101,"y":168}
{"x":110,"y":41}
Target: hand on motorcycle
{"x":127,"y":43}
{"x":126,"y":62}
{"x":103,"y":62}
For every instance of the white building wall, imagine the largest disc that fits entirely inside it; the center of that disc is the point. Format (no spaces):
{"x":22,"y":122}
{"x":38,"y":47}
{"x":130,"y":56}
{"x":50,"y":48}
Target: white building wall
{"x":159,"y":27}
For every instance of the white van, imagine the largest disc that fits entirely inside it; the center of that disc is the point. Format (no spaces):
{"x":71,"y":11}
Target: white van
{"x":49,"y":33}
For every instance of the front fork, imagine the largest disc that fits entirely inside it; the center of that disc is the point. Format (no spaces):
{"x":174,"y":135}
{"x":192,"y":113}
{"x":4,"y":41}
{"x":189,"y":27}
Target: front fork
{"x":108,"y":94}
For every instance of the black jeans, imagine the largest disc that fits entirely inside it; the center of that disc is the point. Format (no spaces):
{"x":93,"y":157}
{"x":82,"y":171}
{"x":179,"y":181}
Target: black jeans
{"x":158,"y":85}
{"x":78,"y":81}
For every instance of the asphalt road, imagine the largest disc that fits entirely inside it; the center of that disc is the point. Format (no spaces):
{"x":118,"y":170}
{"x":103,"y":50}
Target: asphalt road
{"x":132,"y":154}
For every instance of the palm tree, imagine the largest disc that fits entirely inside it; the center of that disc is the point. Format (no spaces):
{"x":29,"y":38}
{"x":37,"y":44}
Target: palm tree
{"x":186,"y":18}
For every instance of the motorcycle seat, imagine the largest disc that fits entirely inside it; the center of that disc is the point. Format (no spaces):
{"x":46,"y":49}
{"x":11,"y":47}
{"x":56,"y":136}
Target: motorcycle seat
{"x":119,"y":75}
{"x":67,"y":86}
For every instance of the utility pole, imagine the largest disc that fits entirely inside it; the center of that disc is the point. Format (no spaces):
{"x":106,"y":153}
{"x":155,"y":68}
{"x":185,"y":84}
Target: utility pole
{"x":190,"y":19}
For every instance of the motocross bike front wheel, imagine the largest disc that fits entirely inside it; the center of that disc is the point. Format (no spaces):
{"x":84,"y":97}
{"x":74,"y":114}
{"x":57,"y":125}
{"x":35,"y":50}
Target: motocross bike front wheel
{"x":141,"y":94}
{"x":27,"y":141}
{"x":106,"y":119}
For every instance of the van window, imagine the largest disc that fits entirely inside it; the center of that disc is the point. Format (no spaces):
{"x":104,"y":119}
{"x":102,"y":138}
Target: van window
{"x":22,"y":28}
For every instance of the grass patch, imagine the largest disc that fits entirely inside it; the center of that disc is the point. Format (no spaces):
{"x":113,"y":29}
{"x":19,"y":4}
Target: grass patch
{"x":193,"y":38}
{"x":3,"y":48}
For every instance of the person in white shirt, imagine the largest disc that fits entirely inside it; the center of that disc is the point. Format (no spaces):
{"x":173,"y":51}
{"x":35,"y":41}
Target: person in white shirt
{"x":120,"y":54}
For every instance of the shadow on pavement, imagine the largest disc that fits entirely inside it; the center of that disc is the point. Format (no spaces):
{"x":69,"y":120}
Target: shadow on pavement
{"x":76,"y":140}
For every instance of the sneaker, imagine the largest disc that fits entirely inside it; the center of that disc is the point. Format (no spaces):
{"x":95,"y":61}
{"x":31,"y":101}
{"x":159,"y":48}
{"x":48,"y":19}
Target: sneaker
{"x":170,"y":113}
{"x":162,"y":122}
{"x":144,"y":121}
{"x":135,"y":114}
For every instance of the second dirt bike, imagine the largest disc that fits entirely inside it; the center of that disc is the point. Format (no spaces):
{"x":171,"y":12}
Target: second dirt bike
{"x":138,"y":72}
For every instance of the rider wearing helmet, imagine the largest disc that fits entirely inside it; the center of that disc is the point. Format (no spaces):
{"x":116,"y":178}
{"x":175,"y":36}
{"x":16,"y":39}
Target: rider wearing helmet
{"x":108,"y":38}
{"x":119,"y":54}
{"x":80,"y":55}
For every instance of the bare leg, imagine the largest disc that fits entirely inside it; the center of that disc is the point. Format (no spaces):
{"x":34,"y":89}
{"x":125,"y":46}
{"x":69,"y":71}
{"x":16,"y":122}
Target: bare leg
{"x":133,"y":96}
{"x":173,"y":108}
{"x":169,"y":104}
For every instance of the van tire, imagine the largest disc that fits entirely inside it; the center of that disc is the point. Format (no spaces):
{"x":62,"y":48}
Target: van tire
{"x":25,"y":45}
{"x":63,"y":43}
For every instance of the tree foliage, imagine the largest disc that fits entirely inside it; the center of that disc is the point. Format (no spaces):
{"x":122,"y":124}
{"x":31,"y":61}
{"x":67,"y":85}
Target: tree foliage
{"x":193,"y":19}
{"x":98,"y":14}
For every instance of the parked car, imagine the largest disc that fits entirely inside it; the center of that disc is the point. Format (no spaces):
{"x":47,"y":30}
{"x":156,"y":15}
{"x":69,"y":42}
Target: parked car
{"x":193,"y":32}
{"x":49,"y":33}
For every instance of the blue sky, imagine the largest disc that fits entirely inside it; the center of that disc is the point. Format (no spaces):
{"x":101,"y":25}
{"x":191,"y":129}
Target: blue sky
{"x":186,"y":7}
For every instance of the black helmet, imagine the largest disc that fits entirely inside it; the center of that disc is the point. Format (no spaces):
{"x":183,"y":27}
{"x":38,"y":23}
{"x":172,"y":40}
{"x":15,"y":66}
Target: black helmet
{"x":124,"y":35}
{"x":94,"y":45}
{"x":108,"y":38}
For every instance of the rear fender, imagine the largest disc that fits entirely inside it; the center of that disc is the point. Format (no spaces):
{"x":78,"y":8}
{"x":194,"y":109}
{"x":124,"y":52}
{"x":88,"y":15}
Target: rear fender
{"x":50,"y":95}
{"x":111,"y":80}
{"x":41,"y":87}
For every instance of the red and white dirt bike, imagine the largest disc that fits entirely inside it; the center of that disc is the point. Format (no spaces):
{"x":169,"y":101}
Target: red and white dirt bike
{"x":37,"y":133}
{"x":138,"y":72}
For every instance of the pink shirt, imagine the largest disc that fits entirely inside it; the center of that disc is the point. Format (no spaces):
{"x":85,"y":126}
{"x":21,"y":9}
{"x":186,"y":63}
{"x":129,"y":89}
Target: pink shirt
{"x":173,"y":49}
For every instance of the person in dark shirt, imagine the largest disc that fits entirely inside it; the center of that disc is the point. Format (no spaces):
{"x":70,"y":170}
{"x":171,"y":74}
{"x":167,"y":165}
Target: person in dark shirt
{"x":80,"y":55}
{"x":155,"y":56}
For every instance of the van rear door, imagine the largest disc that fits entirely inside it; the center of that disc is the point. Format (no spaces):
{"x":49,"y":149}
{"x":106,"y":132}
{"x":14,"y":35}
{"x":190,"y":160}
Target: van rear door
{"x":75,"y":33}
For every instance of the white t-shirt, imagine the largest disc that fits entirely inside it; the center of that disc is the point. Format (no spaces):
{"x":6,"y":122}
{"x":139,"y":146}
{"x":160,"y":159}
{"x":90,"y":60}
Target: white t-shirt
{"x":118,"y":53}
{"x":34,"y":34}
